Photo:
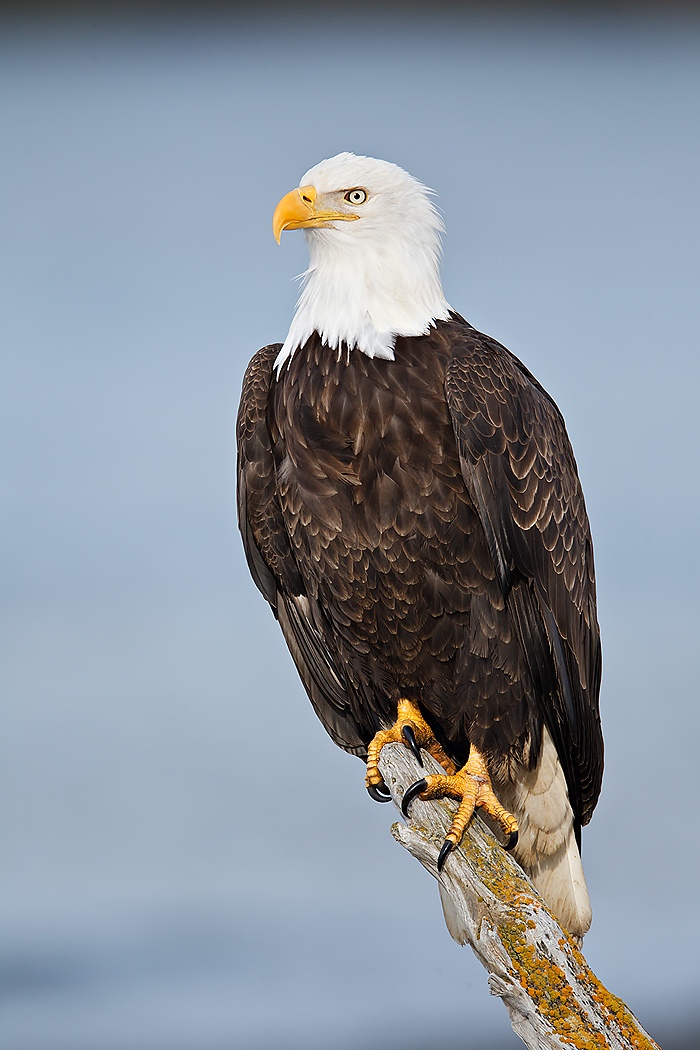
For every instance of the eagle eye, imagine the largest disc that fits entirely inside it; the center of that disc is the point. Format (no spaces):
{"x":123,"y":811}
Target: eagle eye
{"x":356,"y":196}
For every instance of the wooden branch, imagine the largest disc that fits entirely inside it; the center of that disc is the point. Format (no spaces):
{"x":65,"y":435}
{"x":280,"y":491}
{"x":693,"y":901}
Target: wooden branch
{"x":554,"y":999}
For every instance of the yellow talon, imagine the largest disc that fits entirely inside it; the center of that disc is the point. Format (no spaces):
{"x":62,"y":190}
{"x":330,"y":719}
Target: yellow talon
{"x":471,"y":786}
{"x":409,"y":727}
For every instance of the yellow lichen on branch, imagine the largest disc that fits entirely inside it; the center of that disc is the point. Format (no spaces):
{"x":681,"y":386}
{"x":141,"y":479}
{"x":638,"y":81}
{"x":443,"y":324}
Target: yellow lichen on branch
{"x":553,"y":997}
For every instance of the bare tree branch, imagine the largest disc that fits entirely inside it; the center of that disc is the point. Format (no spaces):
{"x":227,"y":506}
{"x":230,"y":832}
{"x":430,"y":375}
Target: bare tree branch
{"x":554,"y":999}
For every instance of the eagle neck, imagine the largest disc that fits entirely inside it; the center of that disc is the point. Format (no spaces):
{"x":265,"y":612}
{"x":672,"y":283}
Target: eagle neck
{"x":362,"y":293}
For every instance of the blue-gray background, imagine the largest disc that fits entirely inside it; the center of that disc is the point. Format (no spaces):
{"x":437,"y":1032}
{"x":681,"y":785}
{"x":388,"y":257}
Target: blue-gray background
{"x":188,"y":863}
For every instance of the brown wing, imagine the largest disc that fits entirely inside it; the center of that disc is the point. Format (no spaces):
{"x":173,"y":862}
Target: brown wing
{"x":272,"y":563}
{"x":520,"y":472}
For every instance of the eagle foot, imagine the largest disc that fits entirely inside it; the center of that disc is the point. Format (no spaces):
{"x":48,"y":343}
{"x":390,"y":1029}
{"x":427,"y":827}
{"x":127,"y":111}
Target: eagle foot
{"x":471,"y":786}
{"x":411,"y":729}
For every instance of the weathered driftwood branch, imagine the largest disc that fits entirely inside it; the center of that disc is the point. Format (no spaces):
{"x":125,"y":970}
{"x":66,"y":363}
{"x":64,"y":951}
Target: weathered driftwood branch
{"x":553,"y":998}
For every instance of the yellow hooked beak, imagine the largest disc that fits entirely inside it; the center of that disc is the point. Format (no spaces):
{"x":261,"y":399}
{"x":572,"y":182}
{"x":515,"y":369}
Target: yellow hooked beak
{"x":297,"y":211}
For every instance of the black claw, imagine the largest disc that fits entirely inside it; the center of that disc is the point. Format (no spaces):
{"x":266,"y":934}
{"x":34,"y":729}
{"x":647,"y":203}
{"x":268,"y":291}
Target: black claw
{"x":512,"y":841}
{"x":379,"y":794}
{"x":447,"y":848}
{"x":410,"y":738}
{"x":410,"y":794}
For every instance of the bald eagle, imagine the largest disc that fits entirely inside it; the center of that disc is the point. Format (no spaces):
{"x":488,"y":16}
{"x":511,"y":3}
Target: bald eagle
{"x":411,"y":510}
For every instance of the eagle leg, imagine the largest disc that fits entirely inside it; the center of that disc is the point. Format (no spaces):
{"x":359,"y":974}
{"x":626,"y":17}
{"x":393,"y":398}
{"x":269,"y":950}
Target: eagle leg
{"x":410,"y":729}
{"x":471,"y":786}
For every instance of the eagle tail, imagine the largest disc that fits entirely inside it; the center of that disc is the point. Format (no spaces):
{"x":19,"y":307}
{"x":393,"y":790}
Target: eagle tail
{"x":547,"y":849}
{"x":560,"y":881}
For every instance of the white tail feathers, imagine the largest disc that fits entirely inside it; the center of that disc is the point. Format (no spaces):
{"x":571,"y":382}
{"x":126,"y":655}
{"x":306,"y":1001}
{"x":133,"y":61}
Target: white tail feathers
{"x":547,"y":849}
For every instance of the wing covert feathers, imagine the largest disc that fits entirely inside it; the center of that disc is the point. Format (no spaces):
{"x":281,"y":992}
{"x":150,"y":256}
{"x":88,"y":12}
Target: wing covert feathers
{"x":520,"y":471}
{"x":271,"y":560}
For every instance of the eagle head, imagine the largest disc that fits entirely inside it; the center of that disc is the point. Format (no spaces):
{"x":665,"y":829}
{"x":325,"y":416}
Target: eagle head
{"x":373,"y":234}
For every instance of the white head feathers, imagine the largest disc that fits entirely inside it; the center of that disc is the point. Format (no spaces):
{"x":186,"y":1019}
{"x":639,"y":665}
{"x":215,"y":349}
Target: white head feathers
{"x":374,"y":278}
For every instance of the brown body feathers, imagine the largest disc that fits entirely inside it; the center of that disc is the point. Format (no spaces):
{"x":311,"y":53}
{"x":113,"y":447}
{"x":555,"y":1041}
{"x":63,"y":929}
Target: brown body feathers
{"x":419,"y":529}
